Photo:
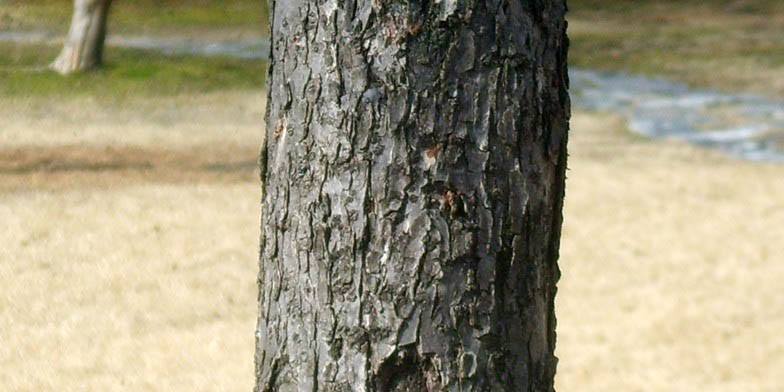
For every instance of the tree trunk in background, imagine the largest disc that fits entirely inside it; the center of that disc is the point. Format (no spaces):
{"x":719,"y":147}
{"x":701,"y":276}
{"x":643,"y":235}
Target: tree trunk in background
{"x":83,"y":48}
{"x":413,"y":175}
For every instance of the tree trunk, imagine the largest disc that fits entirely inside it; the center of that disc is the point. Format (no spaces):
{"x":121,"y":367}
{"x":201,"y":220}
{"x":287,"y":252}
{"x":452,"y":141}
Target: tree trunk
{"x":83,"y":48}
{"x":413,"y":176}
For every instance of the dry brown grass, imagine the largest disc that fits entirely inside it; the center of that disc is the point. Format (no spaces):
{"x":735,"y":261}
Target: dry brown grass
{"x":129,"y":245}
{"x":231,"y":118}
{"x":148,"y":287}
{"x":672,"y":272}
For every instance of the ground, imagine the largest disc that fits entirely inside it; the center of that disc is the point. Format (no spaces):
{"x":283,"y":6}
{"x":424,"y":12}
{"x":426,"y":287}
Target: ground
{"x":671,"y":267}
{"x":731,"y":45}
{"x":130,"y":245}
{"x":130,"y":213}
{"x":131,"y":266}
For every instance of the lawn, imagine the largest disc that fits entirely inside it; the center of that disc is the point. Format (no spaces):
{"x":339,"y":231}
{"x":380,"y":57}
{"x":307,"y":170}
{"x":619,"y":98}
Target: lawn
{"x":227,"y":18}
{"x":128,"y":74}
{"x":734,"y":45}
{"x":129,"y":198}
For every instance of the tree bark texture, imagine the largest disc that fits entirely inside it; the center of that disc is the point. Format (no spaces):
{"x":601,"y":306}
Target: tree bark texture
{"x":413,"y":176}
{"x":83,"y":48}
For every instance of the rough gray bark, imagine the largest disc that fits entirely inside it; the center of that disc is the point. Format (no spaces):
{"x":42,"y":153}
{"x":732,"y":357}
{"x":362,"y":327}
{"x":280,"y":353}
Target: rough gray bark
{"x":413,"y":176}
{"x":83,"y":48}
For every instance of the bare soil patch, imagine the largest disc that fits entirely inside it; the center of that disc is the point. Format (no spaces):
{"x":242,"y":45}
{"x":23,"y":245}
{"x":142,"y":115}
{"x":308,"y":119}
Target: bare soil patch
{"x":87,"y":166}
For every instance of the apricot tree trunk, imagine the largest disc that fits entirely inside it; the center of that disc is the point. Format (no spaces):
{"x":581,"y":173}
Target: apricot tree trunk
{"x":83,"y":48}
{"x":413,"y":177}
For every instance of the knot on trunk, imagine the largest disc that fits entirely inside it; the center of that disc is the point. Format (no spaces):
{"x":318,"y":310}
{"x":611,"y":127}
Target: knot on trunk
{"x":407,"y":371}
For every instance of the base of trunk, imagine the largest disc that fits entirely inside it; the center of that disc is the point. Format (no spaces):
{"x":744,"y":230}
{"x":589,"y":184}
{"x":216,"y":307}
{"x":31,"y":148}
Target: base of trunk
{"x":84,"y":47}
